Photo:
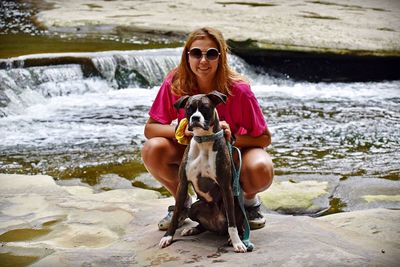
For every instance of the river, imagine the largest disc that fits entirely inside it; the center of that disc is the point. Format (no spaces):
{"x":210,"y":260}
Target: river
{"x":58,"y":120}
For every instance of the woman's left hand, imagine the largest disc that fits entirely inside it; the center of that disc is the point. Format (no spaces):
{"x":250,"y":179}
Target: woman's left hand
{"x":227,"y":130}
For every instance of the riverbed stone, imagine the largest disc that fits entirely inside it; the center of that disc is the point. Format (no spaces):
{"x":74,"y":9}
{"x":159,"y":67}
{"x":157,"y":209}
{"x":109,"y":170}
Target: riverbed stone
{"x":119,"y":228}
{"x":360,"y":193}
{"x":300,"y":193}
{"x":360,"y":26}
{"x":380,"y":223}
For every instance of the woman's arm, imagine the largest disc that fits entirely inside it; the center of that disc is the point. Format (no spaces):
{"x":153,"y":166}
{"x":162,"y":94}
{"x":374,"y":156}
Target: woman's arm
{"x":155,"y":129}
{"x":263,"y":140}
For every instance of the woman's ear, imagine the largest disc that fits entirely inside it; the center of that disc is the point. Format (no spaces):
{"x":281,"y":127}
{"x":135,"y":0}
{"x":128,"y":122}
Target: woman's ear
{"x":217,"y":97}
{"x":181,"y":102}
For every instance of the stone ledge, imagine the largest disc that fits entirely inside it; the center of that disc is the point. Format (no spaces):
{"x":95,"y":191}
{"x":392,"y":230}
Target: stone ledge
{"x":118,"y":228}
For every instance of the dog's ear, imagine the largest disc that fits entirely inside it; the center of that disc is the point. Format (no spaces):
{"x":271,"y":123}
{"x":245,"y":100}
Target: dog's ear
{"x":181,"y":102}
{"x":217,"y":97}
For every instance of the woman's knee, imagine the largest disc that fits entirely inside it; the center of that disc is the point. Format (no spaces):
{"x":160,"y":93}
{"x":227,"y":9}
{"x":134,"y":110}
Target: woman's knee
{"x":258,"y":170}
{"x":162,"y":150}
{"x":153,"y":148}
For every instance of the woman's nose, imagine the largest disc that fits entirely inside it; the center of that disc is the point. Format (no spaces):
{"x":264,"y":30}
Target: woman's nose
{"x":203,"y":57}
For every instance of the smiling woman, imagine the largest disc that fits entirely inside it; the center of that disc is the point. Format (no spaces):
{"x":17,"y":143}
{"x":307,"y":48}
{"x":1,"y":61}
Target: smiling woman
{"x":204,"y":68}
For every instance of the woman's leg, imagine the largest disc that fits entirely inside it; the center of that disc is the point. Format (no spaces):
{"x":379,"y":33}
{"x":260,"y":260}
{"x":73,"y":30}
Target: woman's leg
{"x":257,"y":171}
{"x":162,"y":157}
{"x":256,"y":176}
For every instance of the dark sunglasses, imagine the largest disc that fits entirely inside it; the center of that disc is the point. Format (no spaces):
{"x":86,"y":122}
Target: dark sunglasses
{"x":211,"y":54}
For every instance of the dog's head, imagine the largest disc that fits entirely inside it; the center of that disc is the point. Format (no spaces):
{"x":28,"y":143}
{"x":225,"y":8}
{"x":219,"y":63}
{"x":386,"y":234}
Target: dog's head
{"x":200,"y":109}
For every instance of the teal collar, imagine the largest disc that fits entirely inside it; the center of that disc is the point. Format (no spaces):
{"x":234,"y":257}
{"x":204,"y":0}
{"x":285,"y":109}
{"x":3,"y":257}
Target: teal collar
{"x":209,"y":138}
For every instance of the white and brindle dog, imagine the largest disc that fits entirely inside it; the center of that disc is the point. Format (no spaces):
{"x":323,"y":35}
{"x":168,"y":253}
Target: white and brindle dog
{"x":207,"y":165}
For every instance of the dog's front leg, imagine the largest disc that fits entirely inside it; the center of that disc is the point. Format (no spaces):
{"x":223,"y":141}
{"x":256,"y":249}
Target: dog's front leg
{"x":179,"y":205}
{"x":229,"y":204}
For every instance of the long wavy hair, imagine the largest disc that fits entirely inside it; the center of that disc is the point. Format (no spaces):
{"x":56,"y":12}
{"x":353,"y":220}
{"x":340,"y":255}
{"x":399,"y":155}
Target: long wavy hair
{"x":184,"y":81}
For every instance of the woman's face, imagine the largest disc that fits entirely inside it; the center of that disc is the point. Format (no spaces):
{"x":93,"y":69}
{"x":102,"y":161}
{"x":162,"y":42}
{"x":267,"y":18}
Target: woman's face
{"x":203,"y":68}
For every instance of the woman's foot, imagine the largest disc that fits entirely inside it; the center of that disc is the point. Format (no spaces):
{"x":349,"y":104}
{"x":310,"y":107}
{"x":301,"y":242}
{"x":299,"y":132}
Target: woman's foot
{"x":253,"y":213}
{"x":255,"y":217}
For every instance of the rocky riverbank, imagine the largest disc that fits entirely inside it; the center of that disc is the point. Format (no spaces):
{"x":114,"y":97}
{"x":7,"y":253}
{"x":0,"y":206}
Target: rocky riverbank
{"x":366,"y":27}
{"x":44,"y":224}
{"x":304,"y":40}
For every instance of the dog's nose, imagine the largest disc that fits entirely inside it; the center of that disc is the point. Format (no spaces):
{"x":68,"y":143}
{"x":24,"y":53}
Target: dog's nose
{"x":195,"y":118}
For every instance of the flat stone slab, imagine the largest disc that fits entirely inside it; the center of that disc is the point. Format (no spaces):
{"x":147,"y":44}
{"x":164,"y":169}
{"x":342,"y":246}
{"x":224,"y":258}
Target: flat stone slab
{"x":300,"y":194}
{"x":362,"y":26}
{"x":73,"y":226}
{"x":365,"y":193}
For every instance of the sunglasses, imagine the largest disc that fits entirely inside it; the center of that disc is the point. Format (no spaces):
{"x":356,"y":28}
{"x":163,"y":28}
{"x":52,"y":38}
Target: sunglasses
{"x":211,"y":54}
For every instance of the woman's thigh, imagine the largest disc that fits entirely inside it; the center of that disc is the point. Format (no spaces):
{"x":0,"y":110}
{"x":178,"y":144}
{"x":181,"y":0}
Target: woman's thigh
{"x":257,"y":170}
{"x":161,"y":150}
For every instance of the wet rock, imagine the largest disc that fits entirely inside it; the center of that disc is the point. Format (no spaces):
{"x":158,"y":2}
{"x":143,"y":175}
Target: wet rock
{"x":112,"y":181}
{"x":300,"y":194}
{"x":148,"y":181}
{"x":378,"y":223}
{"x":118,"y":228}
{"x":302,"y":26}
{"x":306,"y":40}
{"x":366,"y":193}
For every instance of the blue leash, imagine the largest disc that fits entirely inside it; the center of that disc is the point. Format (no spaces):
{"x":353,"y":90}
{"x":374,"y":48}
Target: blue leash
{"x":237,"y":192}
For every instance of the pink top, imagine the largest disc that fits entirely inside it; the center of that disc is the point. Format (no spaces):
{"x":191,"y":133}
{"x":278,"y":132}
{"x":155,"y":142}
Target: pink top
{"x":241,"y":111}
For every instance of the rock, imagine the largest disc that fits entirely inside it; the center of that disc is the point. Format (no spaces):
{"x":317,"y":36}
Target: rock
{"x":304,"y":40}
{"x":118,"y":228}
{"x":148,"y":181}
{"x":378,"y":223}
{"x":287,"y":25}
{"x":365,"y":193}
{"x":300,"y":194}
{"x":112,"y":181}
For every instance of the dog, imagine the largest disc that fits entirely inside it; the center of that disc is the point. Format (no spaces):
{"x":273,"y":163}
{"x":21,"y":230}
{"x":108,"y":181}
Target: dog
{"x":207,"y":165}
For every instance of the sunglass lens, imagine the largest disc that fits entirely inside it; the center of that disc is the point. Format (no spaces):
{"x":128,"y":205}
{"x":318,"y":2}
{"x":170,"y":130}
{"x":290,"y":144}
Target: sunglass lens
{"x":212,"y":54}
{"x":196,"y":53}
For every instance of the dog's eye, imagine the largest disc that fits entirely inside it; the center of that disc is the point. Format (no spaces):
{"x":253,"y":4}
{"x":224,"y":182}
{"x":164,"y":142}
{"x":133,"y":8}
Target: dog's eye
{"x":204,"y":109}
{"x":190,"y":109}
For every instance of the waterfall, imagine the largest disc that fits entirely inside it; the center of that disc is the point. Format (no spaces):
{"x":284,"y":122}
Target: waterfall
{"x":28,"y":80}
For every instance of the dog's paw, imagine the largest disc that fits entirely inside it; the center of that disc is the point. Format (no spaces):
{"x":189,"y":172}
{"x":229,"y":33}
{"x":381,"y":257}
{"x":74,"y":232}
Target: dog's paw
{"x":190,"y":231}
{"x":237,"y":244}
{"x":239,"y":247}
{"x":165,"y":241}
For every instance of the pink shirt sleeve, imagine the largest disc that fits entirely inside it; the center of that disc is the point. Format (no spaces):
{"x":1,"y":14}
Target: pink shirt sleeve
{"x":163,"y":110}
{"x":243,"y":112}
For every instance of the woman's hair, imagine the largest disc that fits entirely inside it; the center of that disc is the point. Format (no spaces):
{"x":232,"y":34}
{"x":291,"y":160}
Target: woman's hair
{"x":184,"y":80}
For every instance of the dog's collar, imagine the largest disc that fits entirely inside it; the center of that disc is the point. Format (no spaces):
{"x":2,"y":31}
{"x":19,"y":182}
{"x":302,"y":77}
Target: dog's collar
{"x":209,"y":138}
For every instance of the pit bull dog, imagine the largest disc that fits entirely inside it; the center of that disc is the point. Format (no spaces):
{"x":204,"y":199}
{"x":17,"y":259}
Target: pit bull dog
{"x":207,"y":165}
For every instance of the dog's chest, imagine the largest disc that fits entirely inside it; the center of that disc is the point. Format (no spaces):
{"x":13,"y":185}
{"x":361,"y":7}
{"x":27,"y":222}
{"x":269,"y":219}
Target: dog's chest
{"x":201,"y":164}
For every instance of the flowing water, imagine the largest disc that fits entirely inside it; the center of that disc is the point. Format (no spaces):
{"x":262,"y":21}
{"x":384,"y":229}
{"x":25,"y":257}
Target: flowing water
{"x":59,"y":120}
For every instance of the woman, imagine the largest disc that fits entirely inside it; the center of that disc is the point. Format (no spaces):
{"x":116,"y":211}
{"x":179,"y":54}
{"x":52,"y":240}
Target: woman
{"x":204,"y":68}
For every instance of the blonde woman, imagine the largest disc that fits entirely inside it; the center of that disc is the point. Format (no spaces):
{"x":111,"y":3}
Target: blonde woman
{"x":204,"y":68}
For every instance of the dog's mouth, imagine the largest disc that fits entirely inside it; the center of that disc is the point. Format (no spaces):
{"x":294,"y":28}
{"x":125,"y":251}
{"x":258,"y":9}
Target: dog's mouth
{"x":197,"y":124}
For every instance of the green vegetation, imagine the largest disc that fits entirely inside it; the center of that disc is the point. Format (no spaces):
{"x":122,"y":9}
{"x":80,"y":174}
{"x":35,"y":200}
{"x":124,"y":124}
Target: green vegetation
{"x":336,"y":206}
{"x":345,"y":6}
{"x":91,"y":174}
{"x":93,"y":6}
{"x":19,"y":235}
{"x":252,"y":4}
{"x":10,"y":260}
{"x":13,"y":45}
{"x":316,"y":16}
